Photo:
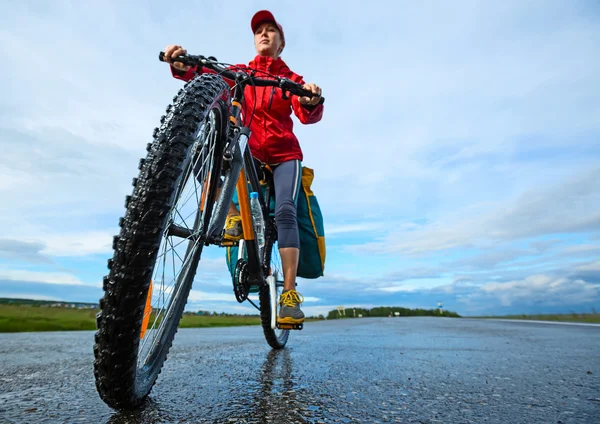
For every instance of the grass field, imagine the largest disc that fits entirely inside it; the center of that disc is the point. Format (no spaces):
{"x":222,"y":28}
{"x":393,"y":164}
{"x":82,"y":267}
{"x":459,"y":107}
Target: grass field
{"x":35,"y":318}
{"x":586,"y":317}
{"x":23,"y":318}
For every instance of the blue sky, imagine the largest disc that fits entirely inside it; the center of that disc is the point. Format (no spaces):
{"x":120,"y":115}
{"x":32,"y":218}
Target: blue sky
{"x":457,"y":160}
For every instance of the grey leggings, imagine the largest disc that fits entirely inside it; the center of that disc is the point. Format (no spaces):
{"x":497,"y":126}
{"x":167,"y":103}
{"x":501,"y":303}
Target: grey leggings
{"x":287,"y":178}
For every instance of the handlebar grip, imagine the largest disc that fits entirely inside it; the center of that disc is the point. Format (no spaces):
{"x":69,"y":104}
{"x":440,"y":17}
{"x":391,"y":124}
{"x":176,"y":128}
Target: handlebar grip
{"x":301,"y":92}
{"x":321,"y":101}
{"x":183,"y":59}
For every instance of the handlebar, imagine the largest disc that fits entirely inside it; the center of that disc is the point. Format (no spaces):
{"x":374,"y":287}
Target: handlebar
{"x":211,"y":63}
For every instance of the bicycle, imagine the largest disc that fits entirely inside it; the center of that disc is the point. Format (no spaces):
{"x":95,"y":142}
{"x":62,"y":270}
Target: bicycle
{"x":198,"y":145}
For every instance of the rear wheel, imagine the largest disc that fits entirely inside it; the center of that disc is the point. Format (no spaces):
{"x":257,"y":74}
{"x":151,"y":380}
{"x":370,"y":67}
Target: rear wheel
{"x":276,"y":338}
{"x":158,"y":249}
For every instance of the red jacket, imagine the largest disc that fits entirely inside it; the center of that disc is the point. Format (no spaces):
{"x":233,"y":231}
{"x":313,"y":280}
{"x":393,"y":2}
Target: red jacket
{"x":272,"y":139}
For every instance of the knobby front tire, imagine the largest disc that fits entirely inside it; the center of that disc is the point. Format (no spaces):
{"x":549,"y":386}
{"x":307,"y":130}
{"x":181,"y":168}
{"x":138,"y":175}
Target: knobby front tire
{"x":124,"y":376}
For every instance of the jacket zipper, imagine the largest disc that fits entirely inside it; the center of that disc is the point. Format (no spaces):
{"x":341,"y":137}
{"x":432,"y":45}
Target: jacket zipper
{"x":271,"y":98}
{"x":264,"y":134}
{"x":265,"y":121}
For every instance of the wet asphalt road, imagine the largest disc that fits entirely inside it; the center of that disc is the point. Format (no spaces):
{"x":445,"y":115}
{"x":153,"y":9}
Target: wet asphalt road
{"x":405,"y":370}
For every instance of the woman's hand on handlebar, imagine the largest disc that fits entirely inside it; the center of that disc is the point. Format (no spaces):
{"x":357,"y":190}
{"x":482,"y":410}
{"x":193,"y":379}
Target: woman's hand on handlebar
{"x":173,"y":51}
{"x":311,"y":101}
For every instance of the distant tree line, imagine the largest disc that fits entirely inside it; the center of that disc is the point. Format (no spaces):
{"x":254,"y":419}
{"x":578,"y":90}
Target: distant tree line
{"x":43,"y":303}
{"x":219,"y":314}
{"x":386,"y":311}
{"x":381,"y":311}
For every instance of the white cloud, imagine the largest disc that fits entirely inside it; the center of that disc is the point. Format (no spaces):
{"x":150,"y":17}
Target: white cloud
{"x":360,"y":227}
{"x":23,"y":250}
{"x":592,"y":266}
{"x":583,"y":248}
{"x":568,"y":207}
{"x":395,"y":289}
{"x":43,"y":247}
{"x":200,"y":296}
{"x":312,"y":299}
{"x":542,"y":289}
{"x":78,"y":244}
{"x":42,"y":277}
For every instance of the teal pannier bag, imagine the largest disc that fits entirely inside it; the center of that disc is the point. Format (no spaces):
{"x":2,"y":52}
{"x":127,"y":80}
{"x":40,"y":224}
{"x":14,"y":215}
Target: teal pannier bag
{"x":311,"y":263}
{"x":310,"y":227}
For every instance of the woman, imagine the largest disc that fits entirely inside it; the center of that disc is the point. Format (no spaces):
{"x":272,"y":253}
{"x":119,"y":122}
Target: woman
{"x":272,"y":142}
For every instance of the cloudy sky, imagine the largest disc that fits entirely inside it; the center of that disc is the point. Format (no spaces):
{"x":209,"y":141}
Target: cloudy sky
{"x":458,"y":158}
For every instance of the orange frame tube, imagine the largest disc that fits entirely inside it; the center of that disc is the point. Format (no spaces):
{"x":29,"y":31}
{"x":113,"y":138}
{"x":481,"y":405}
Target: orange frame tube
{"x":244,"y":202}
{"x":147,"y":312}
{"x":204,"y":188}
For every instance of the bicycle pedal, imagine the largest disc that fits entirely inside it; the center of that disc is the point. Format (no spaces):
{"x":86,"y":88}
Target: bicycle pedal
{"x":282,"y":326}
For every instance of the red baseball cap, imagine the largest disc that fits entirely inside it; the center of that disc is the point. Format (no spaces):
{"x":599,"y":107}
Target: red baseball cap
{"x":265,"y":16}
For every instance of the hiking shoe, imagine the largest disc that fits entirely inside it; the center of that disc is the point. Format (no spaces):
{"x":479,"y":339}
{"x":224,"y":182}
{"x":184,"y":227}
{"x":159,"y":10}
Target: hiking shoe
{"x":290,"y":312}
{"x":233,"y":228}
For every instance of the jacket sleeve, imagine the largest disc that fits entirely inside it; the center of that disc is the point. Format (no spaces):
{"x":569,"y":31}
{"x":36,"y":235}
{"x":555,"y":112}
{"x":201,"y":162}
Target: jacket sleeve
{"x":184,"y":75}
{"x":306,"y":114}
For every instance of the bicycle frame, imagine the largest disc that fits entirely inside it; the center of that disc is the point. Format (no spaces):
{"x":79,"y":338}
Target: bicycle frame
{"x":239,"y":171}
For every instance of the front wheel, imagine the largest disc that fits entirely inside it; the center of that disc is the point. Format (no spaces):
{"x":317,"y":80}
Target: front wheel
{"x":157,"y":251}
